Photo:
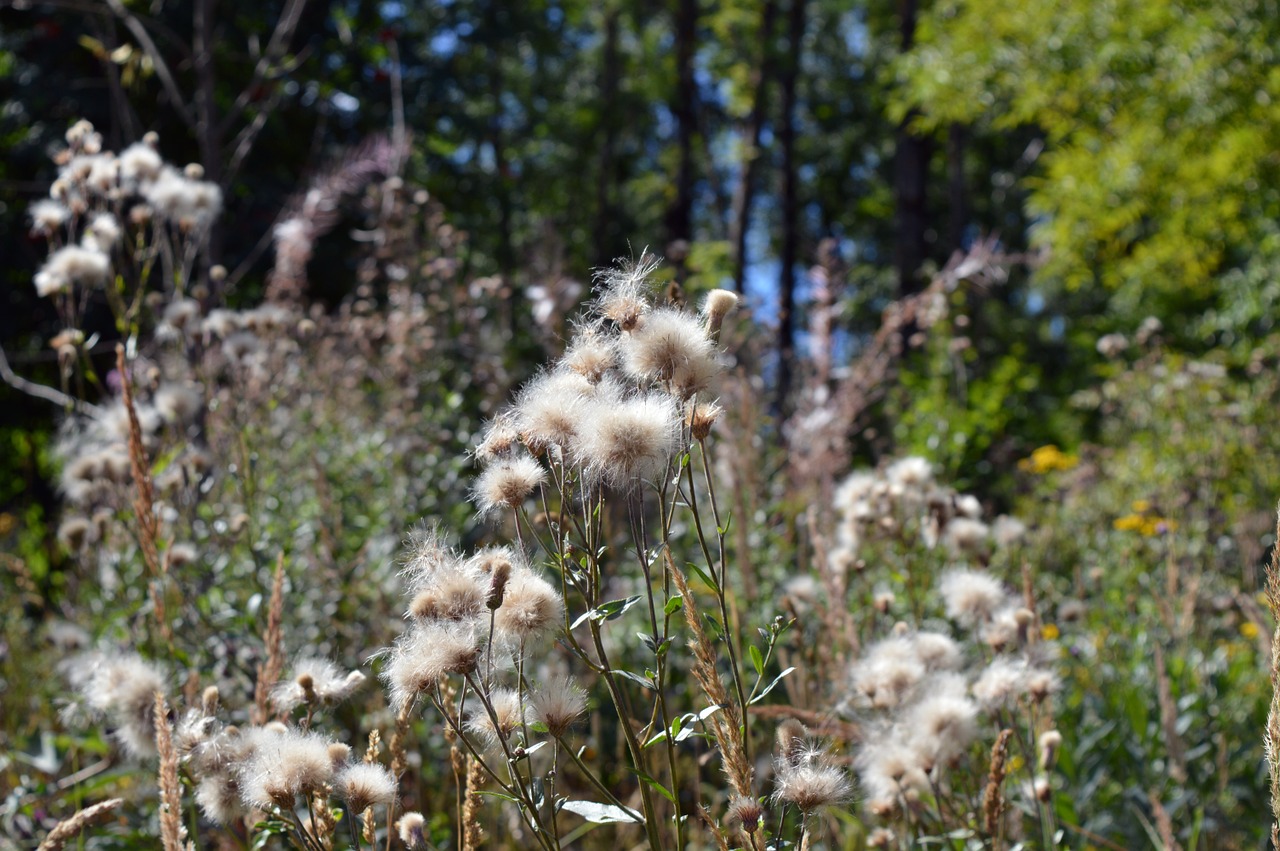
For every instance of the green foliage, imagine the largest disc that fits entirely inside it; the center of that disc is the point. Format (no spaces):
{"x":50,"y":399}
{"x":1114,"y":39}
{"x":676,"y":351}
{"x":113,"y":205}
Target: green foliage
{"x":1159,"y":122}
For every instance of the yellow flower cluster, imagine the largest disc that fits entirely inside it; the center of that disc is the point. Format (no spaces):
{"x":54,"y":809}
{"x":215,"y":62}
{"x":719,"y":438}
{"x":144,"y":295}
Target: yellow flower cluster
{"x":1144,"y":521}
{"x":1046,"y":459}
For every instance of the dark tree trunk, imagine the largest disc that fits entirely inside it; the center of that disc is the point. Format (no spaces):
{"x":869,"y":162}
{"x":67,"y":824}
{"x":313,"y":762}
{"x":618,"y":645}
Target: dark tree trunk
{"x":790,"y":254}
{"x":680,"y":213}
{"x":609,"y":75}
{"x":911,"y":168}
{"x":957,"y":187}
{"x":740,"y":222}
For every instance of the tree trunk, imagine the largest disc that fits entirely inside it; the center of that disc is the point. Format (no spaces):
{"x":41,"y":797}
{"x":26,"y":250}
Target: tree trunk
{"x":911,"y":168}
{"x":790,"y":254}
{"x":680,"y":213}
{"x":957,"y":188}
{"x":740,"y":223}
{"x":609,"y":75}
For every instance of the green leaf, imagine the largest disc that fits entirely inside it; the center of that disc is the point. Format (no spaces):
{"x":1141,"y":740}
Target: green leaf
{"x":770,"y":687}
{"x":673,"y":605}
{"x":757,"y":661}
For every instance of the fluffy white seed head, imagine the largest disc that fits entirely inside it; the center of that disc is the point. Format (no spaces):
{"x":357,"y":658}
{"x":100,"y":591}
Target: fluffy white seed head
{"x":548,"y":410}
{"x":888,"y":671}
{"x":625,"y":292}
{"x":72,"y":266}
{"x":1001,"y":683}
{"x":941,"y":727}
{"x":122,"y":688}
{"x":285,"y":764}
{"x":812,"y":786}
{"x":412,"y":830}
{"x":47,"y":216}
{"x":492,"y":729}
{"x":506,"y":484}
{"x":363,"y":785}
{"x":139,"y":164}
{"x":530,"y":608}
{"x":591,"y":354}
{"x":315,"y":681}
{"x":426,"y":654}
{"x":558,"y":703}
{"x":671,"y":347}
{"x":971,"y":597}
{"x":631,"y":440}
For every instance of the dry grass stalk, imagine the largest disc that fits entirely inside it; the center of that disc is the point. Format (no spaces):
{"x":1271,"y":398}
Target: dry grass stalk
{"x":371,"y":758}
{"x":323,"y":825}
{"x":144,"y":502}
{"x":140,"y":466}
{"x":172,"y":831}
{"x":269,"y":672}
{"x":1271,"y":740}
{"x":722,"y":842}
{"x":993,"y":803}
{"x":472,"y":832}
{"x":726,"y":725}
{"x":84,"y":819}
{"x":1169,"y":720}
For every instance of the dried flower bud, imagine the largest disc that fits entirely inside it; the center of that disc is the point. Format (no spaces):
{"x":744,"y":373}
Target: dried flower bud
{"x":1049,"y":744}
{"x":412,"y":831}
{"x":702,"y":418}
{"x":747,"y":813}
{"x":498,"y":583}
{"x":209,"y":701}
{"x":791,"y":740}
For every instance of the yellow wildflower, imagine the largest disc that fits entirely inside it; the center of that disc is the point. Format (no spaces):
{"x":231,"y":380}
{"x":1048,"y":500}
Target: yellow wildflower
{"x":1046,"y":459}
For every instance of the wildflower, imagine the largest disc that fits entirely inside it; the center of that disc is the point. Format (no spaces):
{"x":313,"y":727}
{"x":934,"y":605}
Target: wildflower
{"x":548,"y":410}
{"x":47,"y":216}
{"x":971,"y":597}
{"x":315,"y":681}
{"x":139,"y":164}
{"x":1041,"y":683}
{"x":630,"y":441}
{"x":71,"y":266}
{"x":890,"y":668}
{"x":1050,"y":741}
{"x":123,"y":688}
{"x":1002,"y":682}
{"x":747,"y":813}
{"x":625,"y":292}
{"x":941,"y":727}
{"x":412,"y":830}
{"x":701,"y":418}
{"x":530,"y":608}
{"x":557,"y":704}
{"x":1111,"y":346}
{"x":73,"y":533}
{"x":966,"y":536}
{"x":178,"y":404}
{"x":364,"y":785}
{"x":937,"y":652}
{"x":591,"y":355}
{"x":670,"y":346}
{"x":911,"y":473}
{"x":1007,"y":531}
{"x":219,"y":797}
{"x":812,"y":785}
{"x":425,"y":655}
{"x":888,"y":767}
{"x":507,"y":484}
{"x":456,"y":596}
{"x":1047,"y":459}
{"x":102,"y":234}
{"x":881,"y":837}
{"x":284,"y":765}
{"x":500,"y":439}
{"x":506,"y":716}
{"x":717,"y":305}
